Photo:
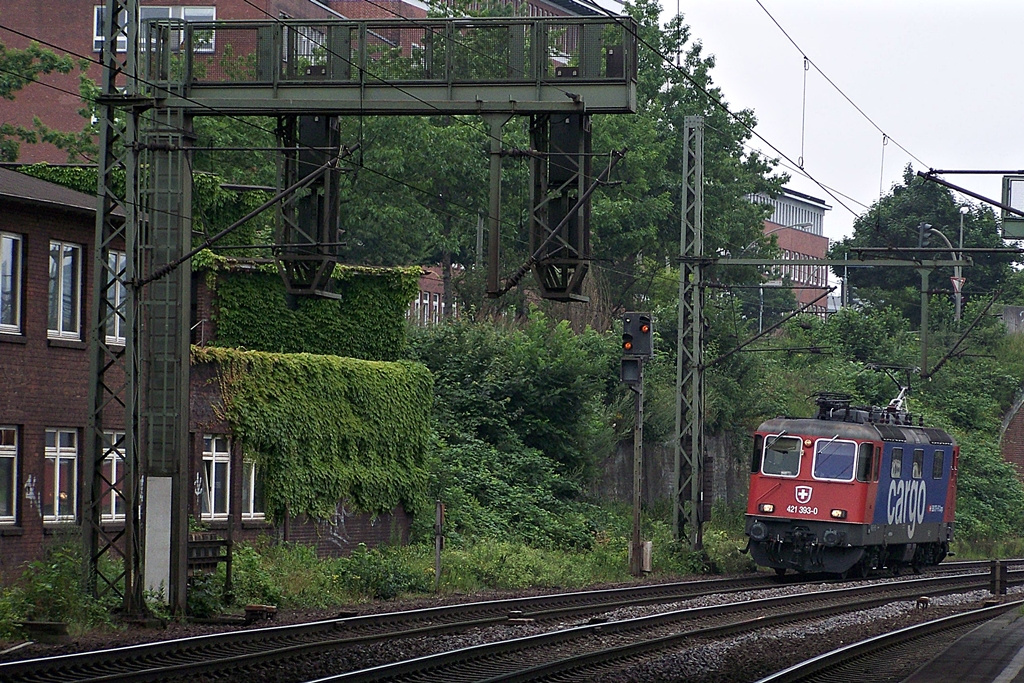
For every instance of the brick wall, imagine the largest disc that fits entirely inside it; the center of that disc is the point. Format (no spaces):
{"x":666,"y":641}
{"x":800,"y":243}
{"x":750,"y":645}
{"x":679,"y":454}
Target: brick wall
{"x":341,"y":534}
{"x":43,"y":383}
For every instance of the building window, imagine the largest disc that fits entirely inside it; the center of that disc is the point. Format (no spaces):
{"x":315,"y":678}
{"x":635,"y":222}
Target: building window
{"x":216,"y":484}
{"x":8,"y":474}
{"x":112,"y":498}
{"x":116,"y":295}
{"x":10,"y":283}
{"x":203,"y":43}
{"x":65,"y":290}
{"x":252,"y":491}
{"x":60,"y":475}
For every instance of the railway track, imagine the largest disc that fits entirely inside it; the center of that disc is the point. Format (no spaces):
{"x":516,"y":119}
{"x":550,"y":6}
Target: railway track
{"x":875,"y":658}
{"x":583,"y":652}
{"x":226,"y":652}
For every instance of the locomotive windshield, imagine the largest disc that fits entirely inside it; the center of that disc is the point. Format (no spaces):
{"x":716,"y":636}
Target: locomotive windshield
{"x":782,"y":455}
{"x":834,"y":459}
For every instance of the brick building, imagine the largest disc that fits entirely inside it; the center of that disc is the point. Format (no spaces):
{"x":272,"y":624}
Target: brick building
{"x":76,"y":31}
{"x":45,"y":247}
{"x":46,"y":280}
{"x":796,"y":222}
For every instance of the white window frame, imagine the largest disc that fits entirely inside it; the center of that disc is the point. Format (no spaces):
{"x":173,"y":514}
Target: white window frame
{"x":9,"y":451}
{"x":250,"y":480}
{"x":113,"y":454}
{"x":824,"y":443}
{"x":199,"y":13}
{"x":59,"y":289}
{"x":116,"y":298}
{"x":55,"y":456}
{"x":11,"y":258}
{"x":213,"y":455}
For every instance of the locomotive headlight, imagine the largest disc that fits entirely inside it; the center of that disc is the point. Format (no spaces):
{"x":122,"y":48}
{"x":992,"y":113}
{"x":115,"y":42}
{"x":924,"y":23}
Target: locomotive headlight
{"x":766,"y":507}
{"x":839,"y":514}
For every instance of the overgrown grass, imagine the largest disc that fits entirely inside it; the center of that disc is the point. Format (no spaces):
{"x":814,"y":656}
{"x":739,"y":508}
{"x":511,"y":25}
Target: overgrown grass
{"x":987,"y":549}
{"x":291,"y":575}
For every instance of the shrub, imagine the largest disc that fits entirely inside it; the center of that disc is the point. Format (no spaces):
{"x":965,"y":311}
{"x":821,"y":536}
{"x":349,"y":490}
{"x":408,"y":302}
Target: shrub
{"x":53,"y":589}
{"x":384,"y":574}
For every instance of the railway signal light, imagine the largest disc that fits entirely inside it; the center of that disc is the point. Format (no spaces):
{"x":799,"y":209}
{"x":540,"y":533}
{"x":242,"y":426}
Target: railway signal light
{"x":637,"y":332}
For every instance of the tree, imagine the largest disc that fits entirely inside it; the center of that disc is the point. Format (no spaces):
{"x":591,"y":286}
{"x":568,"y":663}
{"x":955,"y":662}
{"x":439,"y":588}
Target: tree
{"x":894,"y":221}
{"x":641,"y":216}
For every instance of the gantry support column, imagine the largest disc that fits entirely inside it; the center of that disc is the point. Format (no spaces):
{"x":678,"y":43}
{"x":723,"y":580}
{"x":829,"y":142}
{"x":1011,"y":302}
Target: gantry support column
{"x":689,"y":459}
{"x":164,"y":337}
{"x":495,"y":122}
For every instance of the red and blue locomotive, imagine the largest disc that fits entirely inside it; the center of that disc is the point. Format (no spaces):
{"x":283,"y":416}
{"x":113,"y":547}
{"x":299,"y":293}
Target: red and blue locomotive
{"x":851,"y":490}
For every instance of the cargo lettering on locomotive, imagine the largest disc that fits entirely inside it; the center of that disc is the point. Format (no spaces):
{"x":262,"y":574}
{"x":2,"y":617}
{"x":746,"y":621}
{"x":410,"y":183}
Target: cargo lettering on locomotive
{"x":907,"y":503}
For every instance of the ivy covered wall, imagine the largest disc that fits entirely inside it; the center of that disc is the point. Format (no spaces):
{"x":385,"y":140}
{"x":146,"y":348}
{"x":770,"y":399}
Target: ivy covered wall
{"x":251,"y":311}
{"x":324,"y":429}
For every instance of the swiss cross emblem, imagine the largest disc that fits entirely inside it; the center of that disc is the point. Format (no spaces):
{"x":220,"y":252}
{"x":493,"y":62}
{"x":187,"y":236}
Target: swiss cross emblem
{"x":803,"y":494}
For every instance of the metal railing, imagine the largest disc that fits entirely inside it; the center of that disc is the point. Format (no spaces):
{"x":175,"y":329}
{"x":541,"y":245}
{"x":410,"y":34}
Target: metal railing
{"x":398,"y":51}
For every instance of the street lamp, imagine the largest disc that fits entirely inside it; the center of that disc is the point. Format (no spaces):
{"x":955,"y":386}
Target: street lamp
{"x":956,"y":269}
{"x":959,"y":257}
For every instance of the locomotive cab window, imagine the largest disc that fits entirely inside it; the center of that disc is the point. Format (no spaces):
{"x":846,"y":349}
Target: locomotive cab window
{"x":938,"y":459}
{"x":782,"y":456}
{"x":755,"y":461}
{"x":865,"y":463}
{"x":896,"y":470}
{"x":917,"y":470}
{"x":834,"y":459}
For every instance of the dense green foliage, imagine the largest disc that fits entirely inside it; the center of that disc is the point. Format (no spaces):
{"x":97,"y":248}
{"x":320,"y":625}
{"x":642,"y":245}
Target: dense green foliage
{"x":252,"y":311}
{"x":894,"y":222}
{"x":523,"y":417}
{"x":324,"y":429}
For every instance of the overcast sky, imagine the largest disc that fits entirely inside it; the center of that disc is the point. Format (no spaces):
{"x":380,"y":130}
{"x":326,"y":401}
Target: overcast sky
{"x":941,"y":78}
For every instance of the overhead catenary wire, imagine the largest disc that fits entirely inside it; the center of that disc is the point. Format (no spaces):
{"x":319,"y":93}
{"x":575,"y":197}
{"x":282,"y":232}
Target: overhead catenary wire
{"x":837,"y":88}
{"x":714,"y":100}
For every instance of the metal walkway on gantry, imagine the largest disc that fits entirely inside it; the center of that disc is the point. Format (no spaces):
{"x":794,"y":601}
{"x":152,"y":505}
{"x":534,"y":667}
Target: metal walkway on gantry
{"x":399,"y":66}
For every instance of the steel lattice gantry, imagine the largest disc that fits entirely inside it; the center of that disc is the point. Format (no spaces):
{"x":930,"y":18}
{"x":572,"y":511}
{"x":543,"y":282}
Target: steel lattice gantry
{"x":689,"y":459}
{"x":561,"y":69}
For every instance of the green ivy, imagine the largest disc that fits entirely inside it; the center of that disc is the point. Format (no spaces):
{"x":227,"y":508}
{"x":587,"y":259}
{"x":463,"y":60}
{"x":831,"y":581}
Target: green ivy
{"x":323,"y":429}
{"x":79,"y":178}
{"x":252,"y":311}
